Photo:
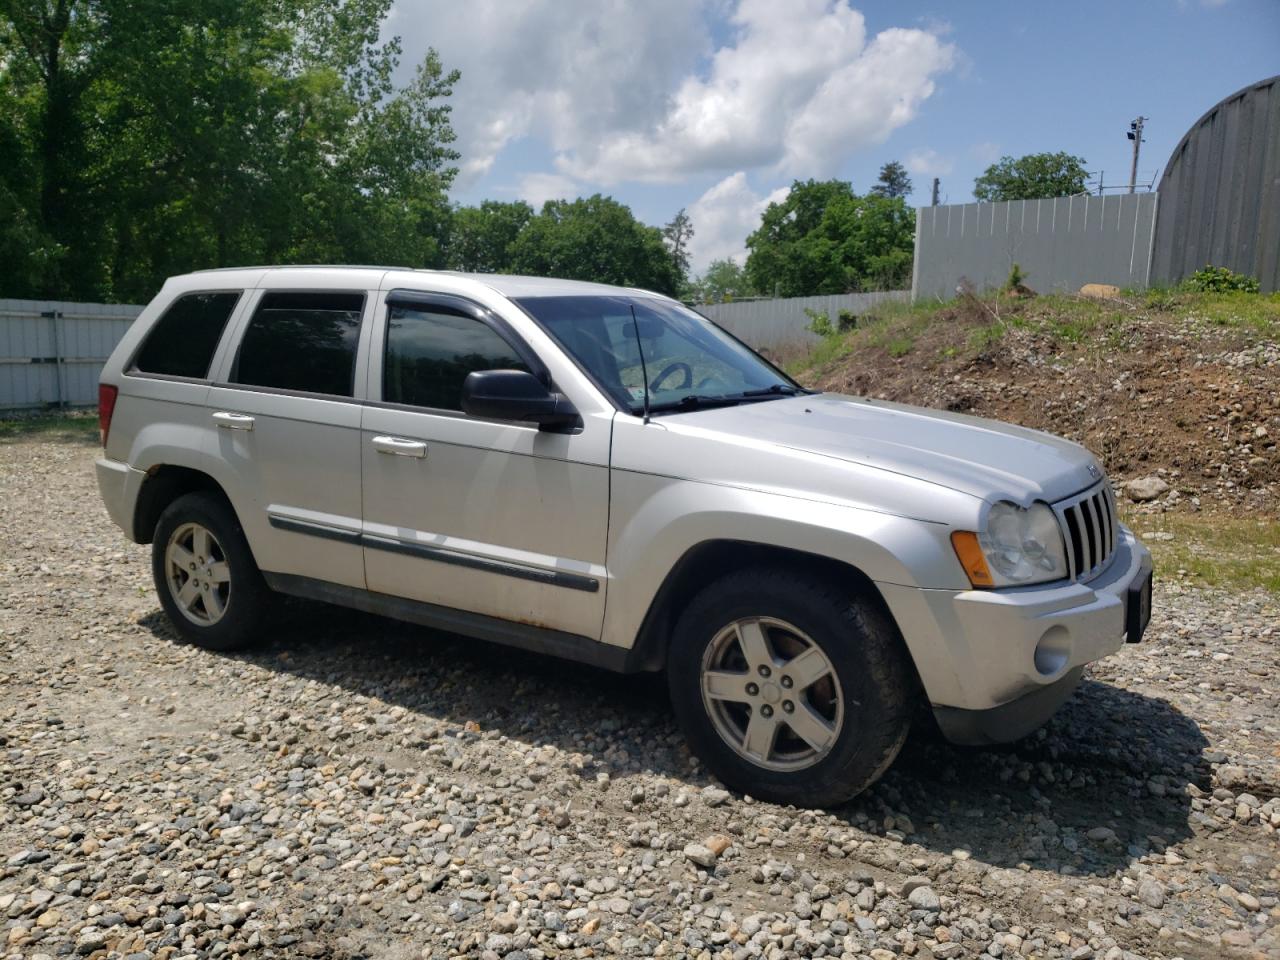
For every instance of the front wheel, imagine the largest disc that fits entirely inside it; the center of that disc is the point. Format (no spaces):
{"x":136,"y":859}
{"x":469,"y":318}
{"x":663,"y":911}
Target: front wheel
{"x":789,"y":688}
{"x":205,"y":574}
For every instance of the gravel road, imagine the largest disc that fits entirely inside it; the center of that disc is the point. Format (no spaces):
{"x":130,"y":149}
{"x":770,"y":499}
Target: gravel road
{"x":357,"y":787}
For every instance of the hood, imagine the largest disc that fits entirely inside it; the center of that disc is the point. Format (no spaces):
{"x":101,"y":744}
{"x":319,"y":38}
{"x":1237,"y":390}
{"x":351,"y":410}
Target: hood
{"x":982,"y":458}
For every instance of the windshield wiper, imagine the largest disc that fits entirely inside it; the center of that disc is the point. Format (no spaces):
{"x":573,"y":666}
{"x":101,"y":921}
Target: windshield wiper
{"x":774,"y":390}
{"x":695,"y":400}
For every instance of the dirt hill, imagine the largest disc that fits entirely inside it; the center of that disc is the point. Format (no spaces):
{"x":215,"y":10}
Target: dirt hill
{"x":1184,"y":388}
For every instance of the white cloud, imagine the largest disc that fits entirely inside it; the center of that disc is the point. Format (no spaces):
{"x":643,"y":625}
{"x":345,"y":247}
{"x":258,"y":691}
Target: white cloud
{"x":928,"y":163}
{"x":986,"y":152}
{"x":621,"y":91}
{"x":723,"y":217}
{"x":566,"y":71}
{"x":798,"y":89}
{"x":537,"y":188}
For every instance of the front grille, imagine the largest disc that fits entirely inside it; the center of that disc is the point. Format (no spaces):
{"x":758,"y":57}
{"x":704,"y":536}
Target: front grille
{"x":1089,"y":526}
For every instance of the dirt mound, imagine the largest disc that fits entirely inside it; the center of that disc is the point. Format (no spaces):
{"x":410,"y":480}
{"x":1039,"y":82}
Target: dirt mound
{"x":1170,"y":390}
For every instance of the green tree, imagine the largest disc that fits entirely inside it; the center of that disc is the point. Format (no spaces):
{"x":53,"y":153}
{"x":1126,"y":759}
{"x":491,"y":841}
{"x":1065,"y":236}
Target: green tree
{"x":481,"y":239}
{"x":823,"y":238}
{"x":723,"y":280}
{"x":677,"y":235}
{"x":598,"y":239}
{"x":893,"y":181}
{"x":49,"y":60}
{"x":1035,"y":176}
{"x":211,"y":134}
{"x":778,"y":264}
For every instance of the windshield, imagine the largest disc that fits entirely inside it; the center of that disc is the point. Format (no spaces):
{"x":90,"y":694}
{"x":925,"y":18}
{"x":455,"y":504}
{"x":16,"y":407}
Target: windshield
{"x":690,"y":362}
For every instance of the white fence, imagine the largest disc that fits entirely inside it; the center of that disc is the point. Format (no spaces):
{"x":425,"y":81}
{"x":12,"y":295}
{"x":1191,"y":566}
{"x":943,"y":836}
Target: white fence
{"x":52,"y":351}
{"x":780,"y":324}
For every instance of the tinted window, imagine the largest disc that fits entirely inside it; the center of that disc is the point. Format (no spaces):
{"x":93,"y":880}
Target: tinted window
{"x":182,"y":342}
{"x":430,"y":352}
{"x":302,"y":341}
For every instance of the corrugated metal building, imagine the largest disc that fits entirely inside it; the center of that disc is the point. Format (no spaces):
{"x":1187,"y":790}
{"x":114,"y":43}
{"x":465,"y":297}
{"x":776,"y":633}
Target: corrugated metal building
{"x":1220,"y":192}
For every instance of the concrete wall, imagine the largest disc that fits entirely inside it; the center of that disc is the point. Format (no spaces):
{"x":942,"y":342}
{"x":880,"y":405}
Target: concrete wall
{"x":782,"y":324}
{"x":52,"y":351}
{"x":1060,"y":244}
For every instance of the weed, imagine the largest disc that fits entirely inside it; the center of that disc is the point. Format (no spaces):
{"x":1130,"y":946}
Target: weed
{"x":1220,"y":280}
{"x":1238,"y":553}
{"x":50,"y":426}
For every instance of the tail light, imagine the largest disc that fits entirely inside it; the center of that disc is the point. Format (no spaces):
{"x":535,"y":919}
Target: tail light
{"x":106,"y":407}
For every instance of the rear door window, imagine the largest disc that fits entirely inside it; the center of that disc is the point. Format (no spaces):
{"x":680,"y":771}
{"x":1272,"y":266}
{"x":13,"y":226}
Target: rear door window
{"x":182,"y":342}
{"x":302,"y":341}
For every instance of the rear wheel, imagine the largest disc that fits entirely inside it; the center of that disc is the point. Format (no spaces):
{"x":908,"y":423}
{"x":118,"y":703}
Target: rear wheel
{"x":788,"y":688}
{"x":205,"y":575}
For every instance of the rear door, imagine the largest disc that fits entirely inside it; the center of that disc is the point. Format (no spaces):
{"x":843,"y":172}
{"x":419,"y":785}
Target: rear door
{"x":287,"y":418}
{"x":494,"y":518}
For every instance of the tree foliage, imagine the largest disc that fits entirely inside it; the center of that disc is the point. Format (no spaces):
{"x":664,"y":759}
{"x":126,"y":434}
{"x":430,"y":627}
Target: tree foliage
{"x":723,"y":281}
{"x":143,"y":138}
{"x":823,"y":238}
{"x":595,"y":238}
{"x":677,"y":235}
{"x":1035,"y":176}
{"x":893,"y":181}
{"x":482,"y":239}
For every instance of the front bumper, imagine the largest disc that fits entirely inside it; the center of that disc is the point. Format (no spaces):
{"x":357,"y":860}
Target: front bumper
{"x":1013,"y":654}
{"x":119,"y":483}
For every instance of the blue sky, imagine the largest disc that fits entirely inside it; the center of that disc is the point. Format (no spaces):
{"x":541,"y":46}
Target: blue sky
{"x":717,"y":105}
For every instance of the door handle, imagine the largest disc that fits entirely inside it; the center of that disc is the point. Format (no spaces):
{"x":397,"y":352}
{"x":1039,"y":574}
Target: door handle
{"x":400,"y":447}
{"x":233,"y":421}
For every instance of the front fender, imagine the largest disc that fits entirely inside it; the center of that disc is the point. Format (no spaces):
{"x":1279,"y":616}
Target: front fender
{"x":656,"y":520}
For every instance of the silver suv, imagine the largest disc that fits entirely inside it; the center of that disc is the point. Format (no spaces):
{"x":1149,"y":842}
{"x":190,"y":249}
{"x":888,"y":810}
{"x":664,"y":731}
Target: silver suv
{"x":604,"y":475}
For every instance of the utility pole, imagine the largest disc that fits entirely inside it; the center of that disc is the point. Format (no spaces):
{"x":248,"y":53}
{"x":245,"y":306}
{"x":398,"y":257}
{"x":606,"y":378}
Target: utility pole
{"x":935,"y":192}
{"x":1135,"y":134}
{"x":1100,"y":173}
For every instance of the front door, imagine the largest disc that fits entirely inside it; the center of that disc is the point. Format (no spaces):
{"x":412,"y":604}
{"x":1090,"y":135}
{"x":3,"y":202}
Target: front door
{"x":494,"y":518}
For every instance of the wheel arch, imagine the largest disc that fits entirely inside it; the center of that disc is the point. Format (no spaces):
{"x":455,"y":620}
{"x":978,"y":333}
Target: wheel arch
{"x":164,"y":484}
{"x":687,"y":576}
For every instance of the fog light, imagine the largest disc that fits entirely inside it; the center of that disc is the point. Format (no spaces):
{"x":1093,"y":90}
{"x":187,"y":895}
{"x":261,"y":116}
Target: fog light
{"x":1053,"y":651}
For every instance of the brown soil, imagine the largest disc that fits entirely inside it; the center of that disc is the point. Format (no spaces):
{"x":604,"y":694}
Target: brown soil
{"x":1148,"y":393}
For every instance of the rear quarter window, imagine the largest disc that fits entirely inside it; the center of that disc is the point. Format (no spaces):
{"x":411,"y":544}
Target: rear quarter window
{"x":182,"y":342}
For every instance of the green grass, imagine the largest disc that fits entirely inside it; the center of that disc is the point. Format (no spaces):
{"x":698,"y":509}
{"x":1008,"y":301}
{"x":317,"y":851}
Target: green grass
{"x":50,"y":426}
{"x":976,"y":325}
{"x":1250,"y":311}
{"x":1237,"y":553}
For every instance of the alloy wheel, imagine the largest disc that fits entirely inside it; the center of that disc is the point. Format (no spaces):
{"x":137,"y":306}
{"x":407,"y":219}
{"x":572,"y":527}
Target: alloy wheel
{"x":772,"y":694}
{"x":198,"y":574}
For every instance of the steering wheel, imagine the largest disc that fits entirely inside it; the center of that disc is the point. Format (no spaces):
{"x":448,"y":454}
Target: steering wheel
{"x":676,"y":366}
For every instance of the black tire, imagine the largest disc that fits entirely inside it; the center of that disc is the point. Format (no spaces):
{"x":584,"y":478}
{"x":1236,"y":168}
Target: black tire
{"x":865,"y":651}
{"x":248,"y":594}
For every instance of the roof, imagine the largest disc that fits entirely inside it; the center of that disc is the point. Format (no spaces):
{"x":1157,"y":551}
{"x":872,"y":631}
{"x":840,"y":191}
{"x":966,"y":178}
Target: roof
{"x":509,"y":285}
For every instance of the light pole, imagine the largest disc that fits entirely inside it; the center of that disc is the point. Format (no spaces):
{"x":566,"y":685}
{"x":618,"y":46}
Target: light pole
{"x":1135,"y":134}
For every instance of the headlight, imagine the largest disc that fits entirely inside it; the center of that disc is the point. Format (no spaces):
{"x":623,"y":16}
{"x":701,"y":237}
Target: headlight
{"x":1019,"y":546}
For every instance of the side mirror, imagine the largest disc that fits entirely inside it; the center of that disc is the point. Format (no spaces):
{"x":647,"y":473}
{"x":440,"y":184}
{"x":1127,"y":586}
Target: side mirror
{"x":516,"y":395}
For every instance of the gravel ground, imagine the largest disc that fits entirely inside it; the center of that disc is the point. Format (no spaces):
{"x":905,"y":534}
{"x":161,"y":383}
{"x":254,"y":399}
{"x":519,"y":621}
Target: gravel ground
{"x":358,"y":787}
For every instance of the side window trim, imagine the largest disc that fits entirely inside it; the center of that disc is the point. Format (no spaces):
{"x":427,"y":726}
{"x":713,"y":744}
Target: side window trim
{"x":465,"y":307}
{"x":229,"y":329}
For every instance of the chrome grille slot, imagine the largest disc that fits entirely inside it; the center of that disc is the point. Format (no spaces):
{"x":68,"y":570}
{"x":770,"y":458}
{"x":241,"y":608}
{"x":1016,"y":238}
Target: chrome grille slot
{"x":1089,"y":527}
